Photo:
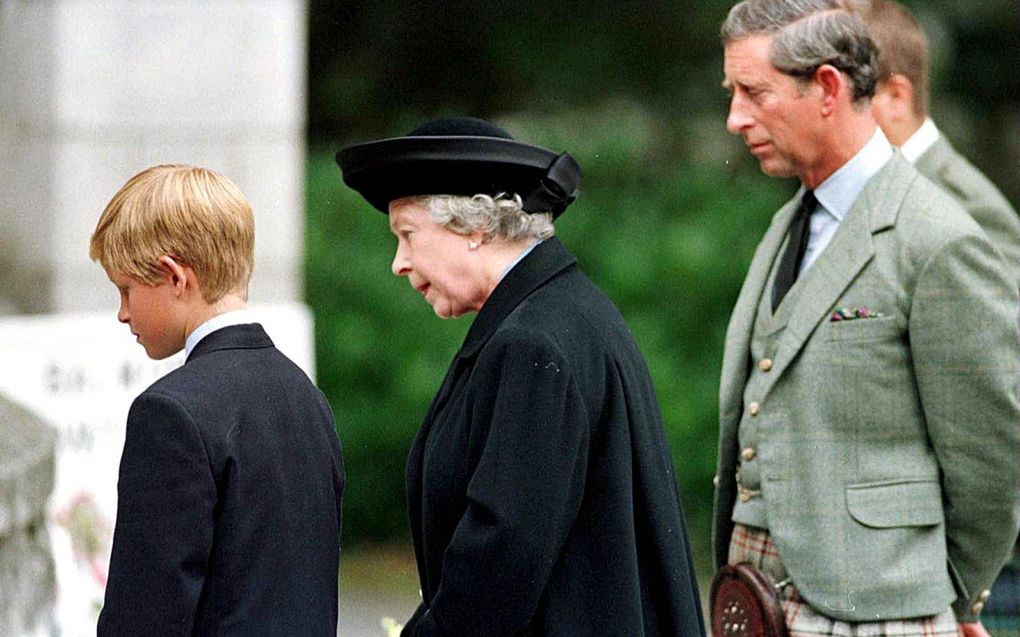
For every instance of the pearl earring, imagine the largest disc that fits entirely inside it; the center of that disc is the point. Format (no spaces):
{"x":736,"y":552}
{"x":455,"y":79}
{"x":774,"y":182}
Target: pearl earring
{"x":472,"y":245}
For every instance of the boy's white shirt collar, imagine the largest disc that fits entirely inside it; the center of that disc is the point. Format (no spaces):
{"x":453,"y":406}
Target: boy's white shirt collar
{"x":920,"y":141}
{"x":233,"y":317}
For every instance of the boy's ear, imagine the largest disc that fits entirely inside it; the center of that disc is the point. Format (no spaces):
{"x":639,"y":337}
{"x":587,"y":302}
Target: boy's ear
{"x":179,"y":274}
{"x":901,"y":92}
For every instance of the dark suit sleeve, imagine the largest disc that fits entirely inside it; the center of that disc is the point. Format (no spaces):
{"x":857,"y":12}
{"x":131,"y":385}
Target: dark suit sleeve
{"x":164,"y":530}
{"x":528,"y":451}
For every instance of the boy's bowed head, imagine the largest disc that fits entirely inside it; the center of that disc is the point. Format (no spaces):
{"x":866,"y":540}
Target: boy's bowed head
{"x":178,"y":242}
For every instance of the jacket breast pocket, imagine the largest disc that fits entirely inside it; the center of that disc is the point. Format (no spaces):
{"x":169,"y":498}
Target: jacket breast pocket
{"x":870,"y":329}
{"x":892,"y":504}
{"x":871,"y":355}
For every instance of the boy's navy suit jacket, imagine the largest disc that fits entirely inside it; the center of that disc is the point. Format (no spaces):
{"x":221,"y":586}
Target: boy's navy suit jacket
{"x":228,"y":518}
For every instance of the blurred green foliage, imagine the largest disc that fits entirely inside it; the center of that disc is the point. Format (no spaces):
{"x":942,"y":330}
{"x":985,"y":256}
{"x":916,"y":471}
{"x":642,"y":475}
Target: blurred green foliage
{"x":379,"y":67}
{"x":671,"y":206}
{"x":668,"y":242}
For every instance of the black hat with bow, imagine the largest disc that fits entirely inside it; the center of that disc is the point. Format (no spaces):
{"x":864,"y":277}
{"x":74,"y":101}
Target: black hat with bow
{"x":460,"y":156}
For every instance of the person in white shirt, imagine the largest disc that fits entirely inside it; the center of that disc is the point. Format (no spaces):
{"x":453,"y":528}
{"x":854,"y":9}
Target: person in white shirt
{"x":901,"y":108}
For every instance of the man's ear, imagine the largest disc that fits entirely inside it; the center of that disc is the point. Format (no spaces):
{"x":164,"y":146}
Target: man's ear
{"x":179,"y":274}
{"x":834,"y":86}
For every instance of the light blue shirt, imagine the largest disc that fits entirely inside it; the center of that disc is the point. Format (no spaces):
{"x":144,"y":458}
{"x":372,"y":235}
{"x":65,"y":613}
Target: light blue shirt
{"x":234,"y":317}
{"x":520,"y":258}
{"x":837,"y":194}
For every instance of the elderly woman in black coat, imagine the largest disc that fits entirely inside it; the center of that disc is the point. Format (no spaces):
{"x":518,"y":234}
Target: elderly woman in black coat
{"x":541,"y":493}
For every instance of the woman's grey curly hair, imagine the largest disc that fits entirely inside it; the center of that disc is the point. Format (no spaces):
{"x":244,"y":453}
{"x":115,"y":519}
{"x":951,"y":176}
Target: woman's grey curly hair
{"x":501,"y":217}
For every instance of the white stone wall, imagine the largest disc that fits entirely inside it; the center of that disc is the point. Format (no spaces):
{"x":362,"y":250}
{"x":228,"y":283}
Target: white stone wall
{"x":93,"y":91}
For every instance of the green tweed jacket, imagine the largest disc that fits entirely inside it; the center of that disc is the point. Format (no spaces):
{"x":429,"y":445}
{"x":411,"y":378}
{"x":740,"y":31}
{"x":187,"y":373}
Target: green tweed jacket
{"x":978,"y":196}
{"x":888,"y":461}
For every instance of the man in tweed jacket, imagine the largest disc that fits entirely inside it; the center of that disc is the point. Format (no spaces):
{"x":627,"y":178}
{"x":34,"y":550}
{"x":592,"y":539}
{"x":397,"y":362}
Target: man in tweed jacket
{"x":900,"y":106}
{"x":868,"y":408}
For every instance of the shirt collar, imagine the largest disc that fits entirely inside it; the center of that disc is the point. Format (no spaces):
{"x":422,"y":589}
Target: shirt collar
{"x":839,"y":191}
{"x":521,"y":256}
{"x":920,"y":141}
{"x":546,"y":260}
{"x":233,"y":317}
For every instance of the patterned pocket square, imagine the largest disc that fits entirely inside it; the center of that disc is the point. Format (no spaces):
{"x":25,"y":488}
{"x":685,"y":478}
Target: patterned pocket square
{"x":853,"y":313}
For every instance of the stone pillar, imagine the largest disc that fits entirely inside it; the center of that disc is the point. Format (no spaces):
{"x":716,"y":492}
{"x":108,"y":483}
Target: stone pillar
{"x":27,"y":580}
{"x":93,"y":91}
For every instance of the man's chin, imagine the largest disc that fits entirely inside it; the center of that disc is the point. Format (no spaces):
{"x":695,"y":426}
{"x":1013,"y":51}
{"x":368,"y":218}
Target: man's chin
{"x":774,"y":168}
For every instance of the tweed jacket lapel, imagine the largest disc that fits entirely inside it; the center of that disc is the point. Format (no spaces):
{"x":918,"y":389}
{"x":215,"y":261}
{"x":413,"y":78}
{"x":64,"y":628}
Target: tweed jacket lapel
{"x":843,"y":259}
{"x":738,"y":333}
{"x":821,"y":287}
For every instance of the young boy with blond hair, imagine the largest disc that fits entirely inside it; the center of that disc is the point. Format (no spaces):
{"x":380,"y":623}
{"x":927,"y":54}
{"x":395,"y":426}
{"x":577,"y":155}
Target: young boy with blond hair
{"x":901,"y":106}
{"x":228,"y":517}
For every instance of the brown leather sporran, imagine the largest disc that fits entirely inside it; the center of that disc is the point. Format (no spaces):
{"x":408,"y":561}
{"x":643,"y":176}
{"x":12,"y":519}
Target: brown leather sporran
{"x":745,"y":604}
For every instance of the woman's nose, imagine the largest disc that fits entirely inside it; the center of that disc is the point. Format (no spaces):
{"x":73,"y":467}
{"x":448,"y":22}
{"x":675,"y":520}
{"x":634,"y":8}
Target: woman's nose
{"x":400,"y":265}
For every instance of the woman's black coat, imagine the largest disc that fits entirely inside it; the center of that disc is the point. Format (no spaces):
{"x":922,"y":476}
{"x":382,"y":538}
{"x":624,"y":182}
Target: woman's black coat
{"x":541,"y":492}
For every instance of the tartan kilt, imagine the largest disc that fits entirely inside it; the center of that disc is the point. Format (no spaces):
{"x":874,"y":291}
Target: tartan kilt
{"x":755,"y":546}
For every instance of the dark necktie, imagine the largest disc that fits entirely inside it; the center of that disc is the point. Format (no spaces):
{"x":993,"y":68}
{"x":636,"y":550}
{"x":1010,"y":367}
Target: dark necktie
{"x":789,"y":265}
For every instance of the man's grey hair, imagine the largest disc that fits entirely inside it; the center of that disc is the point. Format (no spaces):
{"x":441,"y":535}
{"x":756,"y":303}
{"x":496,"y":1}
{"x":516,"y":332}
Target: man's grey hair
{"x":808,"y":34}
{"x":500,"y":217}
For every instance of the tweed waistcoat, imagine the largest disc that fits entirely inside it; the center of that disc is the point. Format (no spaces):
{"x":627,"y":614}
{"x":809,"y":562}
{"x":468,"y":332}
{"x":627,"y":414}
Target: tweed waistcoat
{"x":750,"y":507}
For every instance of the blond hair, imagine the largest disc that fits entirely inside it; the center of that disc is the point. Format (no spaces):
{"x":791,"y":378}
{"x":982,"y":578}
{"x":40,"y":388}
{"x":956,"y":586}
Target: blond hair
{"x":194,"y":215}
{"x":902,"y":47}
